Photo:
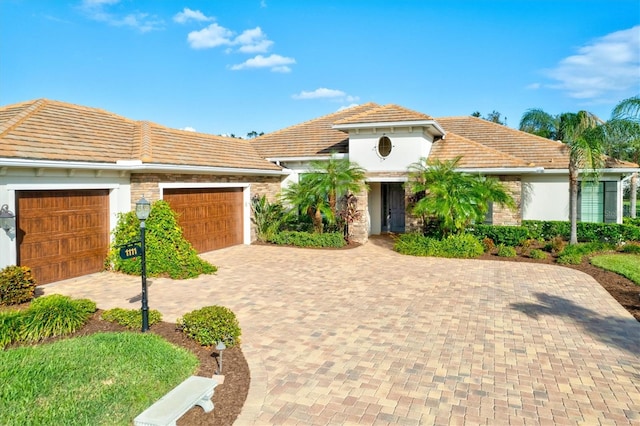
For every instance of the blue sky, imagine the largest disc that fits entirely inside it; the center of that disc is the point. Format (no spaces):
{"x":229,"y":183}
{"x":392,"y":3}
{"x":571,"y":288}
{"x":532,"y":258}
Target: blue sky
{"x":235,"y":66}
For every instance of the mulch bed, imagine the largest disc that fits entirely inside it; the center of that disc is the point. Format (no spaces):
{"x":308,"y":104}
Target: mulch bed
{"x":230,"y":396}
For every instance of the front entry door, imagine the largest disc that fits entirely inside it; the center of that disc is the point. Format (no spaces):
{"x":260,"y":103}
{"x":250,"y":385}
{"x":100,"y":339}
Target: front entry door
{"x":393,"y":207}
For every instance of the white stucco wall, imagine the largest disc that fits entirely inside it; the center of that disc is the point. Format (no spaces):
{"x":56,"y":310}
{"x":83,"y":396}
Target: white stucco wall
{"x":21,"y":179}
{"x":407,"y":148}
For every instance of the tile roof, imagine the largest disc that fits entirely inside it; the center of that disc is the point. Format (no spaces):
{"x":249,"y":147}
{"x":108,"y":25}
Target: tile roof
{"x":473,"y":154}
{"x":51,"y":130}
{"x":385,"y":113}
{"x":533,"y":150}
{"x":312,"y":138}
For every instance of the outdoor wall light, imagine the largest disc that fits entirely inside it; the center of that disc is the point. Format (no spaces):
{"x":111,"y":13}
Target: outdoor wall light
{"x":220,"y":347}
{"x":7,"y":219}
{"x":143,"y":208}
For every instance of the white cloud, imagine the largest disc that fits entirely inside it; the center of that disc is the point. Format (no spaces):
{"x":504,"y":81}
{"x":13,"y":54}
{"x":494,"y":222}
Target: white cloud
{"x":276,"y":63}
{"x":606,"y":69}
{"x":97,"y":11}
{"x":347,"y":106}
{"x":534,"y":86}
{"x":188,"y":129}
{"x":212,"y":36}
{"x":191,"y":15}
{"x":253,"y":41}
{"x":324,"y":93}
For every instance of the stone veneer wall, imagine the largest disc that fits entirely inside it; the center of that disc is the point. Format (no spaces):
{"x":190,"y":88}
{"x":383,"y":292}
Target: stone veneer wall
{"x":146,"y":184}
{"x":504,"y":215}
{"x":359,"y":229}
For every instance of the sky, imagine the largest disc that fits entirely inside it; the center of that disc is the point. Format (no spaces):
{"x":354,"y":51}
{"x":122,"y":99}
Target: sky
{"x":233,"y":67}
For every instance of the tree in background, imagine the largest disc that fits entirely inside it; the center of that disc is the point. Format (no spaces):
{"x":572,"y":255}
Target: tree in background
{"x":454,"y":199}
{"x":584,"y":135}
{"x":494,"y":116}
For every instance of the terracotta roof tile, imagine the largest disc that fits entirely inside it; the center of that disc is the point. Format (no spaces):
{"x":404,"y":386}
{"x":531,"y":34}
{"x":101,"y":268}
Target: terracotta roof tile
{"x":533,"y":150}
{"x":473,"y":154}
{"x":312,"y":138}
{"x":52,"y":130}
{"x":386,"y":113}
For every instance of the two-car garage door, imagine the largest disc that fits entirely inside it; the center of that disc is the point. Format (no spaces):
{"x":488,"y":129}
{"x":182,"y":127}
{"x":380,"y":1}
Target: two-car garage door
{"x":65,"y":233}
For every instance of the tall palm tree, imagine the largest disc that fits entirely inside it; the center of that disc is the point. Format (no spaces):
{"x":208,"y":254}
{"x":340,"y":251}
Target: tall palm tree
{"x":455,"y":199}
{"x":623,"y":132}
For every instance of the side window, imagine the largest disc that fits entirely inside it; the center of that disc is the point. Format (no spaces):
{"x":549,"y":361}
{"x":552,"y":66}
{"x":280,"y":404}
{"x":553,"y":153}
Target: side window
{"x":384,"y":146}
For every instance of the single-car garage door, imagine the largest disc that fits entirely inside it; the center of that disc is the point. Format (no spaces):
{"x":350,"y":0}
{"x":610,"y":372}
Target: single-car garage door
{"x":62,"y":234}
{"x":211,"y":218}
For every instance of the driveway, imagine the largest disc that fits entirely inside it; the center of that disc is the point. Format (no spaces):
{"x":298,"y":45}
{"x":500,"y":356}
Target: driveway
{"x":368,"y":336}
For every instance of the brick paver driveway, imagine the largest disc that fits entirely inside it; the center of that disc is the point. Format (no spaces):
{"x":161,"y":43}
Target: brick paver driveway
{"x":367,"y":336}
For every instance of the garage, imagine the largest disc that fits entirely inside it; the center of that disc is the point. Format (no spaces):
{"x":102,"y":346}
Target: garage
{"x":211,"y":218}
{"x":62,"y":233}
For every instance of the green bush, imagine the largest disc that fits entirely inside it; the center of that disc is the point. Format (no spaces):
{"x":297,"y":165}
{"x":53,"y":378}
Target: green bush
{"x":573,"y":254}
{"x":488,"y":244}
{"x":268,"y":217}
{"x":507,"y":235}
{"x":458,"y":246}
{"x":17,"y":285}
{"x":634,"y":221}
{"x":537,"y":254}
{"x":587,"y":231}
{"x":210,"y":325}
{"x":10,"y":326}
{"x":631,"y":248}
{"x":54,"y":315}
{"x":167,"y":251}
{"x":304,"y":239}
{"x":131,"y":318}
{"x":506,"y":251}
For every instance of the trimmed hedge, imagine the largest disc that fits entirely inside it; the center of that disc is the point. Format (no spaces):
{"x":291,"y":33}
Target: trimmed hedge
{"x":305,"y":239}
{"x":456,"y":246}
{"x":587,"y":231}
{"x":210,"y":325}
{"x":500,"y":234}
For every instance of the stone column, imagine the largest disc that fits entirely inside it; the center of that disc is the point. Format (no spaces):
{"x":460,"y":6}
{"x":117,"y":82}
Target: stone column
{"x":359,"y":228}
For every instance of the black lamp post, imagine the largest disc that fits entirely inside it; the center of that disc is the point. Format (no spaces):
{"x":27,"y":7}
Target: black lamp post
{"x":143,"y":208}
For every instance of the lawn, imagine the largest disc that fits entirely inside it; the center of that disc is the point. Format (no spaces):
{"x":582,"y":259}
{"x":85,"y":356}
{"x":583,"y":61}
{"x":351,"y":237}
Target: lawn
{"x":627,"y":265}
{"x":104,"y":378}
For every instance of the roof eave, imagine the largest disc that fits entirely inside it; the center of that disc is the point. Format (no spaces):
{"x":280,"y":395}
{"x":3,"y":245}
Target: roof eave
{"x":417,"y":123}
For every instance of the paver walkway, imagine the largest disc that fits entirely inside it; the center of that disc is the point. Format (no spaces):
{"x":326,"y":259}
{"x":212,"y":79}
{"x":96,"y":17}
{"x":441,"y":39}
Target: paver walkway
{"x":368,"y":336}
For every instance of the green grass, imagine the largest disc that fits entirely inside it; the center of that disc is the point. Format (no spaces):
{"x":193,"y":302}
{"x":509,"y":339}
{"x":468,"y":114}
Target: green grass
{"x":101,"y":379}
{"x":627,"y":265}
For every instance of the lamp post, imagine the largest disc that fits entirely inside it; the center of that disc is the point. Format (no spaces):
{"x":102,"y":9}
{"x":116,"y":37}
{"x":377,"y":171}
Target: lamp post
{"x":143,"y":208}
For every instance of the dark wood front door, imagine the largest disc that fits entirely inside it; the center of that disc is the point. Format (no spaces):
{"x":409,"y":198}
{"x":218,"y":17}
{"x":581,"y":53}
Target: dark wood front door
{"x":211,"y":218}
{"x":393,"y":214}
{"x":62,"y":234}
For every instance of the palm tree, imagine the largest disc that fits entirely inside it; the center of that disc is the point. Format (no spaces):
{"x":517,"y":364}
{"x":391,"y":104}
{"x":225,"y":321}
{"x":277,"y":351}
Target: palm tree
{"x":336,"y":177}
{"x":304,"y":196}
{"x":583,"y":134}
{"x":623,"y":132}
{"x":454,"y":199}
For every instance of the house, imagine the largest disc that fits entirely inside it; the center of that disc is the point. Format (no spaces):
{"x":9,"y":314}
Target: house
{"x":386,"y":139}
{"x":67,"y":171}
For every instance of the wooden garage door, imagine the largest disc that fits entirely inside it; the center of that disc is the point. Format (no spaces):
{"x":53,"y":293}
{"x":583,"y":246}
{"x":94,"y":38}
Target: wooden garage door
{"x":211,"y":218}
{"x":62,"y":234}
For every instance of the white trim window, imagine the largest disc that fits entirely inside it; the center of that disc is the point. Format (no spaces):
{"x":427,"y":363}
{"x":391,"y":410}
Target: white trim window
{"x":597,"y":202}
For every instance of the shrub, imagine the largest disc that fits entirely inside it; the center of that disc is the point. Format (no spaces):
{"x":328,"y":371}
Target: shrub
{"x":167,"y":251}
{"x":634,"y":221}
{"x":631,"y":248}
{"x":507,"y":235}
{"x":86,"y":305}
{"x":268,"y":217}
{"x":587,"y":231}
{"x":304,"y":239}
{"x":10,"y":326}
{"x":557,"y":244}
{"x":458,"y":246}
{"x":210,"y":325}
{"x":488,"y":244}
{"x":506,"y":251}
{"x":17,"y":285}
{"x":51,"y":316}
{"x":573,"y":254}
{"x":131,"y":318}
{"x":537,"y":254}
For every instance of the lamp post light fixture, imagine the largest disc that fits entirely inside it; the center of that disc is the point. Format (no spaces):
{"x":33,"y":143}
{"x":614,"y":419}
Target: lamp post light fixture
{"x":220,"y":347}
{"x":143,"y":208}
{"x":7,"y":219}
